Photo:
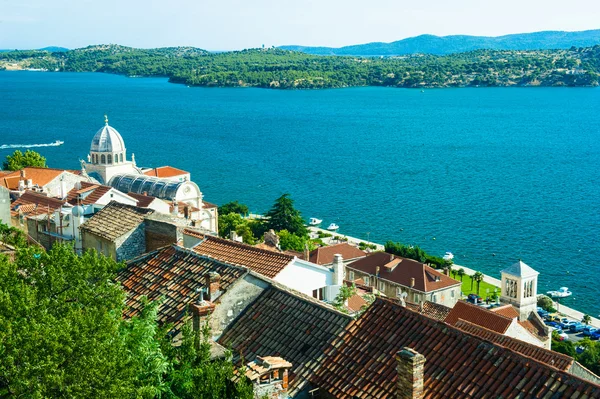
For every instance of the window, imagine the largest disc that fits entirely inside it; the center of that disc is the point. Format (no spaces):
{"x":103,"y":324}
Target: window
{"x":434,"y":298}
{"x":367,"y":281}
{"x":350,"y":275}
{"x":398,"y":291}
{"x":109,"y":156}
{"x":416,"y":298}
{"x":511,"y":288}
{"x":380,"y":285}
{"x":318,"y":293}
{"x":452,"y":294}
{"x":102,"y":159}
{"x":121,"y":157}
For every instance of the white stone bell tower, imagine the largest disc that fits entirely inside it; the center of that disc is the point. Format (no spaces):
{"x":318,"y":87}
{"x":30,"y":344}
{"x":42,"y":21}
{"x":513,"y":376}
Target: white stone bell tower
{"x":519,"y":288}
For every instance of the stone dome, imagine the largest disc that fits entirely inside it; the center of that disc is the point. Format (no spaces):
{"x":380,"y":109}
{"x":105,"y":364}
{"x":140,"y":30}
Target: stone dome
{"x":107,"y":139}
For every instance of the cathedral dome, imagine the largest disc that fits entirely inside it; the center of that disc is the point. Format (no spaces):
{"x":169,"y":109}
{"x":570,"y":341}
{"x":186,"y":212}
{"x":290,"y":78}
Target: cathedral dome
{"x":107,"y":139}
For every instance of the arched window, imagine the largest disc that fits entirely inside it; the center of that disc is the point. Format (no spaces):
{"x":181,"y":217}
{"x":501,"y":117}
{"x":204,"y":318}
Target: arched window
{"x":102,"y":159}
{"x":109,"y":156}
{"x":116,"y":158}
{"x":121,"y":157}
{"x":95,"y":158}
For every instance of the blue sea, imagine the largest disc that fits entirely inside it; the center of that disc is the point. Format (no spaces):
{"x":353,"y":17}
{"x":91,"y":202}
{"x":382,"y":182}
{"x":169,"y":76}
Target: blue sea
{"x":493,"y":175}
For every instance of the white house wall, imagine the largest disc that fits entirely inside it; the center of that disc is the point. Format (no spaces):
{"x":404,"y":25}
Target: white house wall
{"x":305,"y":276}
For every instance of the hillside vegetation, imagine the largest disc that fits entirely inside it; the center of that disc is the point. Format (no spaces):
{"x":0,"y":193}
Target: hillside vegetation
{"x":283,"y":69}
{"x":441,"y":45}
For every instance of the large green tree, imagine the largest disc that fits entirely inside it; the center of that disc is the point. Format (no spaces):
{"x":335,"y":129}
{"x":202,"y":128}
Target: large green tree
{"x":17,"y":160}
{"x":283,"y":216}
{"x":62,"y":335}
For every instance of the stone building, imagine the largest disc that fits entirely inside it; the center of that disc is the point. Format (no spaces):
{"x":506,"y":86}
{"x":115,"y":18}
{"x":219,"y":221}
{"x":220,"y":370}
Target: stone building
{"x":405,"y":279}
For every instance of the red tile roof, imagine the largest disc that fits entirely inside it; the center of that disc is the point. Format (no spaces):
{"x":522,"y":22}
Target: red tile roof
{"x":209,"y":205}
{"x":144,"y":201}
{"x":324,"y":255}
{"x":551,"y":358}
{"x":433,"y":310}
{"x":267,"y":263}
{"x":479,"y":316}
{"x":361,"y":363}
{"x":39,"y":176}
{"x":31,"y":203}
{"x":286,"y":324}
{"x":165,"y":171}
{"x":175,"y":274}
{"x":356,"y":303}
{"x":507,"y":311}
{"x":402,"y":270}
{"x":88,"y":194}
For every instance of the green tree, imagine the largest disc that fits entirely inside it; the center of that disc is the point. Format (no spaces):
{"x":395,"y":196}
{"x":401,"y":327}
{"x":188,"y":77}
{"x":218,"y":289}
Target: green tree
{"x":283,"y":216}
{"x":12,"y":236}
{"x":472,"y":277}
{"x":461,"y":273}
{"x":478,"y":277}
{"x":454,"y":272}
{"x":345,"y":293}
{"x":228,"y":223}
{"x":289,"y":241}
{"x":546,"y":303}
{"x":586,"y":319}
{"x":233,"y":207}
{"x":18,"y":160}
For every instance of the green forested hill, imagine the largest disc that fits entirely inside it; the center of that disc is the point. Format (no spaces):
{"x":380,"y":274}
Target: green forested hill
{"x":276,"y":68}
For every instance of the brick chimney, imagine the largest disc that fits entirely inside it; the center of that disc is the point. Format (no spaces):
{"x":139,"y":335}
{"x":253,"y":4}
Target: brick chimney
{"x":212,"y":284}
{"x":410,"y":367}
{"x":306,"y":252}
{"x":412,"y":282}
{"x":338,"y":269}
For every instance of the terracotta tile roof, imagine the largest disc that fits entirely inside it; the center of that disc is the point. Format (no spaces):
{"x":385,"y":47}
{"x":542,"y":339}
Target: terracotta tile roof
{"x":402,"y":270}
{"x":507,"y":311}
{"x":31,"y":203}
{"x":324,"y":255}
{"x":39,"y":176}
{"x":144,"y":201}
{"x":356,"y":303}
{"x":267,"y":263}
{"x":165,"y":171}
{"x":194,"y":233}
{"x":175,"y":274}
{"x":361,"y":362}
{"x":537,"y":332}
{"x":551,"y":358}
{"x":114,"y":220}
{"x":281,"y":323}
{"x":209,"y":205}
{"x":88,"y":194}
{"x":479,"y":316}
{"x":433,"y":310}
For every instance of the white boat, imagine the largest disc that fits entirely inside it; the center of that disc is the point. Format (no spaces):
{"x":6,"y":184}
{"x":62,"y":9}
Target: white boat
{"x":58,"y":142}
{"x":314,"y":221}
{"x":333,"y":226}
{"x":448,"y":256}
{"x":561,"y":293}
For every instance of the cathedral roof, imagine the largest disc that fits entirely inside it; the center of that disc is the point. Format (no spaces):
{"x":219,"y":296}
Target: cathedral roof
{"x":107,"y":139}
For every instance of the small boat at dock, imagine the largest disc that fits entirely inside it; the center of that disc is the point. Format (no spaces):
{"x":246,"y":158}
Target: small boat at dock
{"x":333,"y":226}
{"x":448,"y":256}
{"x":315,"y":221}
{"x":562,"y":292}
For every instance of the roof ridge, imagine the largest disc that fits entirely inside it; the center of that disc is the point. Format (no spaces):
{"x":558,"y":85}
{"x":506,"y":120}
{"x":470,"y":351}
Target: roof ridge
{"x":246,"y":246}
{"x":479,"y":308}
{"x":505,"y":337}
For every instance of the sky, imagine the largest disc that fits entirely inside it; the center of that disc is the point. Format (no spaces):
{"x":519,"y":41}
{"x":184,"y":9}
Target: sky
{"x":238,"y":24}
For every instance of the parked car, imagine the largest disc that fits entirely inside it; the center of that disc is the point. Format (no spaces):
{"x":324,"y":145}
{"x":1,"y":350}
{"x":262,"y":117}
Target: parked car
{"x":551,"y":324}
{"x":577,"y":327}
{"x":473,"y":298}
{"x":543,"y":313}
{"x":567,"y":324}
{"x":563,"y":336}
{"x":595,"y":335}
{"x":588,"y":331}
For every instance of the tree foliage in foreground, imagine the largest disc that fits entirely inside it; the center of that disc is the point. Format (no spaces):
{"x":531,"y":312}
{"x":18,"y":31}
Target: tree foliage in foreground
{"x":586,"y":351}
{"x":18,"y":160}
{"x":62,"y":336}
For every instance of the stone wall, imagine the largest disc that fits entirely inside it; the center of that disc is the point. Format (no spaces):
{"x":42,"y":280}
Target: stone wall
{"x":160,"y":233}
{"x":101,"y":245}
{"x":131,"y":244}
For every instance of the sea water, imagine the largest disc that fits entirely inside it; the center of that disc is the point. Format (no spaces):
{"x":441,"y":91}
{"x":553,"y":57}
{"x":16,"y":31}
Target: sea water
{"x":493,"y":175}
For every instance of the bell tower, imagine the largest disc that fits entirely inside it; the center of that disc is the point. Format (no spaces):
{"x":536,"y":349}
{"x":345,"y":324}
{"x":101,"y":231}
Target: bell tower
{"x":519,"y":288}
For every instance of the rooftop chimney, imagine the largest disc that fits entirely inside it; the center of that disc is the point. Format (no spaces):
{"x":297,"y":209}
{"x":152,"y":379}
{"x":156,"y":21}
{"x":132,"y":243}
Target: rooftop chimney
{"x":338,"y":269}
{"x":410,"y":367}
{"x":212,"y":284}
{"x":412,"y":282}
{"x":377,"y":271}
{"x":22,"y":173}
{"x":306,"y":252}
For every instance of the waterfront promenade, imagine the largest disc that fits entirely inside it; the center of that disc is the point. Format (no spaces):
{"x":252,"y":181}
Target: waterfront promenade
{"x":562,"y":309}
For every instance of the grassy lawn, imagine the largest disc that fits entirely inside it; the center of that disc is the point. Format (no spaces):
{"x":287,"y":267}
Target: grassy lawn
{"x":466,"y":288}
